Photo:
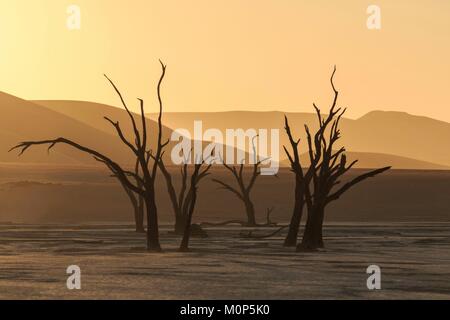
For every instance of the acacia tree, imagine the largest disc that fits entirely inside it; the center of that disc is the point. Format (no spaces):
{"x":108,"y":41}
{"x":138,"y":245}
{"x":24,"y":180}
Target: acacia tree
{"x":137,"y":201}
{"x":140,"y":149}
{"x":326,"y":173}
{"x":181,"y":201}
{"x":243,"y":190}
{"x":177,"y":200}
{"x":302,"y":179}
{"x":190,"y":201}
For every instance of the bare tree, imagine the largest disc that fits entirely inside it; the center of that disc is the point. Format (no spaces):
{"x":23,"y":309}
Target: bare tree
{"x":243,"y":190}
{"x":146,"y":185}
{"x":301,"y":183}
{"x":302,"y":179}
{"x":326,"y":173}
{"x":191,"y":199}
{"x":180,"y":201}
{"x":177,"y":199}
{"x":137,"y":201}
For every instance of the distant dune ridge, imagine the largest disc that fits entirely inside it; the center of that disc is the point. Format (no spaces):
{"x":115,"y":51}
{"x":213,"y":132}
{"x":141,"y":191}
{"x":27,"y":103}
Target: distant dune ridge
{"x":24,"y":120}
{"x":376,"y":139}
{"x":92,"y":114}
{"x":408,"y":141}
{"x":378,"y":160}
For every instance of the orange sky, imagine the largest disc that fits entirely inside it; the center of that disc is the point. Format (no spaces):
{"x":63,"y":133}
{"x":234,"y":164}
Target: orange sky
{"x":231,"y":54}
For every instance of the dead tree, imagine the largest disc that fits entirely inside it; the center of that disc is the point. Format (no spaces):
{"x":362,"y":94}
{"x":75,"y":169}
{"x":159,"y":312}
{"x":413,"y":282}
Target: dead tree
{"x":177,"y":199}
{"x":300,"y":186}
{"x":139,"y":148}
{"x":269,"y":222}
{"x":302,"y":179}
{"x":326,"y":174}
{"x":243,"y":190}
{"x":181,"y":200}
{"x":137,"y":201}
{"x":189,"y":203}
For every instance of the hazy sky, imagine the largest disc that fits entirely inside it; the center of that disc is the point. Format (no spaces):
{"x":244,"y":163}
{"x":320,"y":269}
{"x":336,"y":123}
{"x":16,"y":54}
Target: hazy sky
{"x":231,"y":54}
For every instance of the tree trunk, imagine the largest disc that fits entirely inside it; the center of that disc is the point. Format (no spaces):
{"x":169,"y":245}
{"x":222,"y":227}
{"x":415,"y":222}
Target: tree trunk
{"x":184,"y":247}
{"x":180,"y":222}
{"x":313,"y":237}
{"x":137,"y":202}
{"x":250,"y":210}
{"x":139,"y":216}
{"x":152,"y":225}
{"x":294,"y":226}
{"x":291,"y":238}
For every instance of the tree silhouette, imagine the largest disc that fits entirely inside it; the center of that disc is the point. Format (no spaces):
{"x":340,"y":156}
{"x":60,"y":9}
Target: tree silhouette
{"x":137,"y":201}
{"x":301,"y":182}
{"x":181,"y":201}
{"x":243,"y":190}
{"x":177,"y":200}
{"x":145,"y":185}
{"x":327,"y":167}
{"x":302,"y":179}
{"x":191,"y":199}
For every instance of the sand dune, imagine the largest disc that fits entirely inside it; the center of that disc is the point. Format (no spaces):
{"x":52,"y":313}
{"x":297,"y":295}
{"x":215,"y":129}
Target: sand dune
{"x":379,"y":160}
{"x":392,"y":133}
{"x":80,"y":121}
{"x":405,"y":141}
{"x":23,"y":120}
{"x":93,"y":114}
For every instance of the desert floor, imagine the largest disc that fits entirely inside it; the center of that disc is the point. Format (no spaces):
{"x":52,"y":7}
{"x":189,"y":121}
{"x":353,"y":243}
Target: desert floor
{"x":414,"y":261}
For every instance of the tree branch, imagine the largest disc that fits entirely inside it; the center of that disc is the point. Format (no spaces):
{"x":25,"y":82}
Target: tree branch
{"x":136,"y":131}
{"x":121,"y":174}
{"x":355,"y":181}
{"x":229,"y":188}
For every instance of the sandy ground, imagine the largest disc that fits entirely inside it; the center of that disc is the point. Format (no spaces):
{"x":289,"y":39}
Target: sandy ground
{"x":414,"y":260}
